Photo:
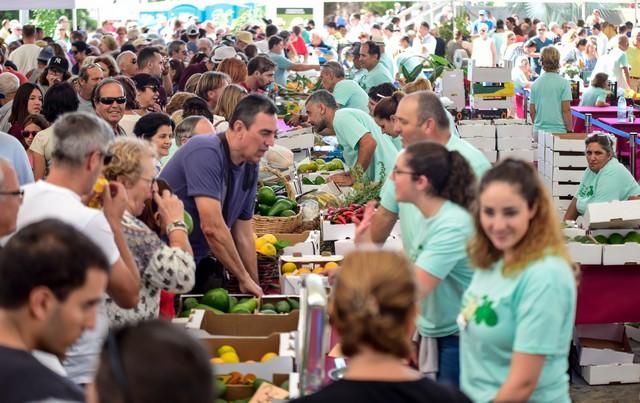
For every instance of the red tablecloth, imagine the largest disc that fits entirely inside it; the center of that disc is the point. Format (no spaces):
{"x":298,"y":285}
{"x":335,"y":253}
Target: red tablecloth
{"x":596,"y":113}
{"x":609,"y":294}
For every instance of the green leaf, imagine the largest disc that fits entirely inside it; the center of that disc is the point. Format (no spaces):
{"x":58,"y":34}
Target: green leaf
{"x":415,"y":73}
{"x":281,"y":244}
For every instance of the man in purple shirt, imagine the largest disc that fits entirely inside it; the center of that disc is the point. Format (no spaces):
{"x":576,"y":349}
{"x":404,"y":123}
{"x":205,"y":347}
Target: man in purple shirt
{"x":216,"y":178}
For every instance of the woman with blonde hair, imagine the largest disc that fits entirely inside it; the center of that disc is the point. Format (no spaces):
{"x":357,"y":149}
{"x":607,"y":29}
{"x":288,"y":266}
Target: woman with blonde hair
{"x":177,"y":100}
{"x":551,"y":97}
{"x":162,"y":267}
{"x":373,"y":309}
{"x":108,"y":45}
{"x":227,"y":103}
{"x":192,"y":83}
{"x":234,"y":68}
{"x":517,"y":315}
{"x":108,"y":65}
{"x":420,"y":84}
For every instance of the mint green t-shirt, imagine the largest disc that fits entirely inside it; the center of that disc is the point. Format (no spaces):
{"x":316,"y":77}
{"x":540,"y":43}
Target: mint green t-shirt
{"x":397,"y":141}
{"x":410,"y":216}
{"x":547,"y":94}
{"x":612,"y":182}
{"x":387,"y":62}
{"x":532,"y":312}
{"x":376,"y":76}
{"x":350,"y":125}
{"x":592,"y":95}
{"x":440,"y":249}
{"x":349,"y":94}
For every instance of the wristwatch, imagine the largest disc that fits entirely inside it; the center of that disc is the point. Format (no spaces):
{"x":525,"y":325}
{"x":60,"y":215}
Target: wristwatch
{"x":177,"y":225}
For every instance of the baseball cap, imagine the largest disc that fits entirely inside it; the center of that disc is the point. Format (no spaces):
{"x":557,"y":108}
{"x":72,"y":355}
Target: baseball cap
{"x":245,"y":37}
{"x":192,"y":30}
{"x":58,"y":63}
{"x":223,"y":52}
{"x":141,"y":42}
{"x":45,"y":54}
{"x":378,"y":39}
{"x":482,"y":12}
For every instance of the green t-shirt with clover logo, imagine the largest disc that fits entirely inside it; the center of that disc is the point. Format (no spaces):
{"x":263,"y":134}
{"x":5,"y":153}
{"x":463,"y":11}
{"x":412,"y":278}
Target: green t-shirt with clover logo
{"x":440,"y":249}
{"x":532,"y":312}
{"x":612,"y":182}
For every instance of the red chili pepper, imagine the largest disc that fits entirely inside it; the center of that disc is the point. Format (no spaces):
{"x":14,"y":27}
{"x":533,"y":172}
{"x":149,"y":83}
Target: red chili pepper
{"x":340,"y":220}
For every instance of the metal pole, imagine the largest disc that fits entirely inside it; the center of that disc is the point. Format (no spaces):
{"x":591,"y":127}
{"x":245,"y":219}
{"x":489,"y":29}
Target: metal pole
{"x":633,"y":146}
{"x":74,"y":19}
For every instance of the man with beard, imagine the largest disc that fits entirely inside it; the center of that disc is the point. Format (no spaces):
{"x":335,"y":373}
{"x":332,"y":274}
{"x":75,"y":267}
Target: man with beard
{"x":53,"y":279}
{"x":261,"y":71}
{"x":216,"y":179}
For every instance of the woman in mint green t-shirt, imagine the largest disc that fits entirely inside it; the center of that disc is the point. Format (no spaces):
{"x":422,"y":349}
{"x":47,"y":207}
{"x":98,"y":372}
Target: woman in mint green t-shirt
{"x":518,"y":313}
{"x":605,"y":180}
{"x":596,"y":94}
{"x":441,"y":185}
{"x":384,"y":114}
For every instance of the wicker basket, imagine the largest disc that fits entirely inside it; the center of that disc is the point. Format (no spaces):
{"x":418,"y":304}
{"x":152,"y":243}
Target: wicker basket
{"x":275,"y":225}
{"x":268,"y":272}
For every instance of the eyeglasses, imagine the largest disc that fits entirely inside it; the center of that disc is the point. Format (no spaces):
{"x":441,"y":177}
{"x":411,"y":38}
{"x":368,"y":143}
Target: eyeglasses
{"x":111,"y":100}
{"x":29,"y":133}
{"x":151,"y":87}
{"x":106,"y":156}
{"x":151,"y":181}
{"x":19,"y":193}
{"x":542,"y":30}
{"x":397,"y":171}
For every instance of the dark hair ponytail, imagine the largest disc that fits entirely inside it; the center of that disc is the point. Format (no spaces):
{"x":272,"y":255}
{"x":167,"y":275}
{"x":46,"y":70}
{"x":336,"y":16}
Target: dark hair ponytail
{"x":448,"y":172}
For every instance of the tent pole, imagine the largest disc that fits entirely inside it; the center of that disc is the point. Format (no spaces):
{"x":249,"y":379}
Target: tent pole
{"x":74,"y":18}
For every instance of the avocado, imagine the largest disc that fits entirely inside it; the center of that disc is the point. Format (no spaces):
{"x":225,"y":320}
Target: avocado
{"x":285,"y":385}
{"x":190,"y":303}
{"x":220,"y":388}
{"x":616,"y":239}
{"x":266,"y":195}
{"x":217,"y":298}
{"x":185,"y":313}
{"x":601,"y":239}
{"x":233,"y":301}
{"x":241,"y":308}
{"x":269,"y":312}
{"x":188,"y":220}
{"x":259,"y":381}
{"x":268,"y":306}
{"x":319,"y":180}
{"x":632,"y":237}
{"x":263,"y":209}
{"x":294,"y":303}
{"x":283,"y":307}
{"x":307,"y":181}
{"x":279,"y":207}
{"x":208,"y":308}
{"x":288,"y":213}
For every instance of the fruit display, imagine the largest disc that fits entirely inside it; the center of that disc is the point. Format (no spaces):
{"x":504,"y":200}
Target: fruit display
{"x":324,"y":199}
{"x":363,"y":189}
{"x":613,"y":239}
{"x":228,"y":355}
{"x":300,"y":84}
{"x":319,"y":180}
{"x":320,"y":165}
{"x":248,"y":383}
{"x":269,"y":245}
{"x":345,"y":215}
{"x":218,"y":301}
{"x":282,"y":306}
{"x":271,"y":205}
{"x":293,"y":269}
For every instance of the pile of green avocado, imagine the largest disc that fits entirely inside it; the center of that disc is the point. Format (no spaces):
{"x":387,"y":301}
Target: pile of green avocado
{"x":284,"y":306}
{"x":271,"y":205}
{"x":319,"y":180}
{"x":613,"y":239}
{"x":218,"y":301}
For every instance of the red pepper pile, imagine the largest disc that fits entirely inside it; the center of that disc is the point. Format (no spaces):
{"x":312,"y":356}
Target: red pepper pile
{"x":345,"y":215}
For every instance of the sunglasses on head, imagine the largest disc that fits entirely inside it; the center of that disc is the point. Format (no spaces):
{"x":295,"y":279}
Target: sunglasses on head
{"x":29,"y":133}
{"x":111,"y":100}
{"x":151,"y":87}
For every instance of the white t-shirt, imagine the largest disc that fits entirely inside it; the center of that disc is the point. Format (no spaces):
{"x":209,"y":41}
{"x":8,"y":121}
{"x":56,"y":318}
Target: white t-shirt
{"x":263,"y":46}
{"x":43,"y":200}
{"x":85,"y":106}
{"x":26,"y":57}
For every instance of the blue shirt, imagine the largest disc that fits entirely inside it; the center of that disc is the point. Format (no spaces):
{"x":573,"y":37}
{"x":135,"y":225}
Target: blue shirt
{"x":12,"y":151}
{"x":198,"y":169}
{"x":282,"y":65}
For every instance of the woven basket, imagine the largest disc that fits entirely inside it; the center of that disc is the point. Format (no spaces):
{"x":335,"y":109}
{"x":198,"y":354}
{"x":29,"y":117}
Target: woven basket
{"x":268,"y":272}
{"x":275,"y":225}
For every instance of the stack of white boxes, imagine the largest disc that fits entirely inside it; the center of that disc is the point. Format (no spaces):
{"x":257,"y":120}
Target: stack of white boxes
{"x":481,"y":134}
{"x":514,"y":138}
{"x":561,"y":162}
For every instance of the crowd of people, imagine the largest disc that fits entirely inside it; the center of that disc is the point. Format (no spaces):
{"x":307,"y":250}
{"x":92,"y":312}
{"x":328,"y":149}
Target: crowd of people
{"x":108,"y":141}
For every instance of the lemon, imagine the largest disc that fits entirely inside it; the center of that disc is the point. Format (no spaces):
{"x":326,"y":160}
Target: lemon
{"x":270,"y":238}
{"x":318,"y":270}
{"x":216,"y":360}
{"x":268,"y":250}
{"x":289,"y":267}
{"x":268,"y":356}
{"x":304,"y":270}
{"x":260,"y":243}
{"x":230,"y":357}
{"x":225,"y":349}
{"x":330,"y":265}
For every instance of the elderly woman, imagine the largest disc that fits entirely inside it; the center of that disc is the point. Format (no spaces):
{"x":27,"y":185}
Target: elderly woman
{"x":550,"y":96}
{"x":484,"y":48}
{"x":521,"y":74}
{"x":604,"y":180}
{"x":576,"y":53}
{"x":162,"y":267}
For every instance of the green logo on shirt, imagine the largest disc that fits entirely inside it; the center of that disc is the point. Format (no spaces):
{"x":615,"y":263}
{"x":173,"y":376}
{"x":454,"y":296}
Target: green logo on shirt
{"x":485,"y":313}
{"x":585,"y":191}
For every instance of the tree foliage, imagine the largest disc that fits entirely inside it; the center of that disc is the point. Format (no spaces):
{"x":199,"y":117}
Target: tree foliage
{"x":47,"y":18}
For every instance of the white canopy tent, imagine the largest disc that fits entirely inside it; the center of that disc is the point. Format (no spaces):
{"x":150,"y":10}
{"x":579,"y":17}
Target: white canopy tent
{"x":25,"y":5}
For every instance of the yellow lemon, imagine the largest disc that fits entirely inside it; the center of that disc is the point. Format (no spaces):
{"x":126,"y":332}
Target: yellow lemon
{"x":225,"y":349}
{"x":270,"y":238}
{"x":268,"y":250}
{"x":289,"y":267}
{"x":304,"y":270}
{"x":260,"y":243}
{"x":100,"y":184}
{"x":268,"y":356}
{"x":230,"y":357}
{"x":330,"y":265}
{"x":217,"y":360}
{"x":318,"y":270}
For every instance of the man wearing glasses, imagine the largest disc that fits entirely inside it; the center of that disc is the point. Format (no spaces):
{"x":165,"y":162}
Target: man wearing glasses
{"x":109,"y":102}
{"x":80,"y":50}
{"x":88,"y":79}
{"x":10,"y":198}
{"x":127,"y":63}
{"x":80,"y":152}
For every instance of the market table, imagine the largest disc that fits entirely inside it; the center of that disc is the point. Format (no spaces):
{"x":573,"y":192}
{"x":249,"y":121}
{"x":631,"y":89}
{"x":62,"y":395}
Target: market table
{"x":597,"y":112}
{"x":608,"y":294}
{"x":622,"y":145}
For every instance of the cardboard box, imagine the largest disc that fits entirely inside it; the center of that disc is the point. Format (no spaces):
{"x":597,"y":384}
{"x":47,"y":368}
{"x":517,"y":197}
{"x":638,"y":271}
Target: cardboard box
{"x":558,"y":174}
{"x":613,"y":373}
{"x":291,"y":284}
{"x":482,"y":143}
{"x":489,"y":74}
{"x":514,"y":130}
{"x":297,"y":139}
{"x":306,"y":243}
{"x":573,"y":232}
{"x":478,"y":103}
{"x":476,"y":128}
{"x":565,"y":159}
{"x":492,"y":155}
{"x":570,"y":142}
{"x":509,"y":121}
{"x":515,"y":143}
{"x":334,"y":232}
{"x":255,"y":325}
{"x":344,"y":246}
{"x":253,"y":348}
{"x":540,"y":155}
{"x":627,"y":253}
{"x":564,"y":189}
{"x":453,"y":87}
{"x":614,"y":214}
{"x":563,"y":202}
{"x":585,"y":253}
{"x":526,"y":155}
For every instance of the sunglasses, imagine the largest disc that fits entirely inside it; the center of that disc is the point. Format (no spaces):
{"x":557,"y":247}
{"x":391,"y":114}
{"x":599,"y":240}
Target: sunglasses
{"x":151,"y":87}
{"x":28,"y":133}
{"x":134,"y":61}
{"x":111,"y":100}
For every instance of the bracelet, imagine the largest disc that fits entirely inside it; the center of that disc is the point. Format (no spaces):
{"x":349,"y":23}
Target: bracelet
{"x":177,"y":225}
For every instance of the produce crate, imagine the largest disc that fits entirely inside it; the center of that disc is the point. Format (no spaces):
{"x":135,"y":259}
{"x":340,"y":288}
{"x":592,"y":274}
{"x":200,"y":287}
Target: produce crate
{"x":271,"y":225}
